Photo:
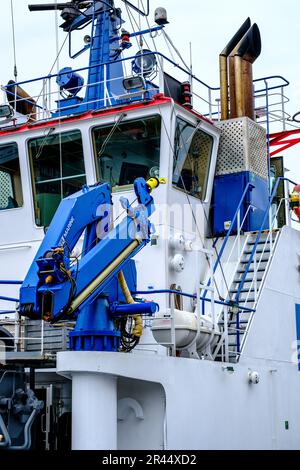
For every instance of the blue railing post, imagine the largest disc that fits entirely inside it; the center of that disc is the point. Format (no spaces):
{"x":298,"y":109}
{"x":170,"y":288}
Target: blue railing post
{"x":245,"y":193}
{"x":258,"y":237}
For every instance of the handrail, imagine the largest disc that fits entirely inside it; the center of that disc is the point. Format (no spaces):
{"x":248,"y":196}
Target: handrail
{"x":261,"y":230}
{"x":9,"y":299}
{"x":248,"y":186}
{"x":12,"y":282}
{"x":81,"y":69}
{"x":184,"y":294}
{"x":254,"y":281}
{"x":210,"y":89}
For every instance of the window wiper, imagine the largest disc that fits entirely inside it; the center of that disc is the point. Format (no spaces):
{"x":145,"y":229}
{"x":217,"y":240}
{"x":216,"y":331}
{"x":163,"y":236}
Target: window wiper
{"x":111,"y":133}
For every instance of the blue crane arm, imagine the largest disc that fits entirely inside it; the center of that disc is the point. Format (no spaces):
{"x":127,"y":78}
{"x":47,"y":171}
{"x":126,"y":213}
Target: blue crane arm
{"x":57,"y":285}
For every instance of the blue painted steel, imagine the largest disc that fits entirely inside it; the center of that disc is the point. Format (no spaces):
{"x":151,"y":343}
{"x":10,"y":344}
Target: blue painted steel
{"x":8,"y":299}
{"x":143,"y":32}
{"x":105,"y":81}
{"x":53,"y":281}
{"x":298,"y":333}
{"x":72,"y":216}
{"x":247,"y":189}
{"x":227,"y":193}
{"x":141,"y":308}
{"x":11,"y":282}
{"x":258,"y":237}
{"x":69,"y":81}
{"x":95,"y":329}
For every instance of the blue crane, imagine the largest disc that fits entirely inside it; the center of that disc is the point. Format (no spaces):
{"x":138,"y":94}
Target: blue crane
{"x":93,"y":288}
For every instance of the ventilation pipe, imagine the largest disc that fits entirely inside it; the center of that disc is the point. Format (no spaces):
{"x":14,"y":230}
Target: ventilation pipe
{"x":248,"y":50}
{"x":20,"y":100}
{"x":241,"y":52}
{"x":224,"y":66}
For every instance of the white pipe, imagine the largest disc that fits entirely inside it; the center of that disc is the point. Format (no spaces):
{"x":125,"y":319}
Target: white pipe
{"x":94,"y":411}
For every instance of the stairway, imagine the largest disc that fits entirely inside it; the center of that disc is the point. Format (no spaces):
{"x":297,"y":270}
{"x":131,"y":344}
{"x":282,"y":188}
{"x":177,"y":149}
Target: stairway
{"x":239,"y":318}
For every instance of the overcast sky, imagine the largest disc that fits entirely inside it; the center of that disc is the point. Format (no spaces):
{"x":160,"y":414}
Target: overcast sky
{"x":207,"y":25}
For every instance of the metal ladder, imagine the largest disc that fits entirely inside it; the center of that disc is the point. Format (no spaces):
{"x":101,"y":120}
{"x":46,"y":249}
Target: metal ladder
{"x":235,"y":320}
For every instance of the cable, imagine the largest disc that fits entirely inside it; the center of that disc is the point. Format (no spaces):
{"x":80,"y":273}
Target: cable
{"x":106,"y":141}
{"x":168,"y":40}
{"x":50,"y":71}
{"x":14,"y":39}
{"x":187,"y":195}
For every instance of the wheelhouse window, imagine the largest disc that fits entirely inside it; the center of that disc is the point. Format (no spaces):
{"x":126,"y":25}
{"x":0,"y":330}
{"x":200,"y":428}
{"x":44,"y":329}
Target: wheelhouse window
{"x":127,"y":150}
{"x":57,"y":166}
{"x":193,"y":150}
{"x":11,"y":195}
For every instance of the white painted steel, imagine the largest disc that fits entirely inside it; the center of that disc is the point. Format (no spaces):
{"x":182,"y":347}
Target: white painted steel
{"x":94,"y":411}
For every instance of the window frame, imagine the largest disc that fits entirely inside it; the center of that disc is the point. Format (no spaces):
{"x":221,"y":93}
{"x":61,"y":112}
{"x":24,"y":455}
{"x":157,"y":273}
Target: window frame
{"x":31,"y":172}
{"x":205,"y":198}
{"x":13,"y":142}
{"x":128,"y":187}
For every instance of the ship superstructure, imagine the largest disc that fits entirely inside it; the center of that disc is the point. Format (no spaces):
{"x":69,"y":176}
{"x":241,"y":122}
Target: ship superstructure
{"x":149,"y":268}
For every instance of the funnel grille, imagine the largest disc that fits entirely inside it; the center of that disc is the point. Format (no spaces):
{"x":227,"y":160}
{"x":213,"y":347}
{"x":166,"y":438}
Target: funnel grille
{"x":243,"y":147}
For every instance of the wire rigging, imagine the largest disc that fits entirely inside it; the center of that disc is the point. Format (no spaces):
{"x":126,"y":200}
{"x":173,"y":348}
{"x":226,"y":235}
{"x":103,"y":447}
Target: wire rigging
{"x":186,"y":192}
{"x":14,"y":39}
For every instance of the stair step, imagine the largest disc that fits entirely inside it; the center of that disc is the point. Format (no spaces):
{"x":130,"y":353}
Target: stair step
{"x":246,"y":261}
{"x":242,"y":322}
{"x":261,"y":242}
{"x":234,"y":333}
{"x":251,"y":271}
{"x":257,"y":252}
{"x":248,"y":281}
{"x":243,"y":291}
{"x":232,"y":345}
{"x":249,"y":304}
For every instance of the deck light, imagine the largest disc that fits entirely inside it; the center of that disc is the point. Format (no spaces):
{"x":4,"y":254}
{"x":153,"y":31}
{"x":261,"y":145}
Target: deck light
{"x":6,"y":111}
{"x":144,"y":63}
{"x":134,"y":83}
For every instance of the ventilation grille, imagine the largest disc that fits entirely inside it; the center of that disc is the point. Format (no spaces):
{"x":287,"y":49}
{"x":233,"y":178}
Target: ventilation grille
{"x":5,"y":189}
{"x":243,"y":147}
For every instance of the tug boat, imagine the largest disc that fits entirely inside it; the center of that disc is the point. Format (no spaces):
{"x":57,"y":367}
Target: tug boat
{"x":149,"y":272}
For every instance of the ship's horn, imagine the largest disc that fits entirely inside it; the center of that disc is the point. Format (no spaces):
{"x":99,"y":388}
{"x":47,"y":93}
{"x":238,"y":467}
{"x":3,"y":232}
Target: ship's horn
{"x":224,"y":66}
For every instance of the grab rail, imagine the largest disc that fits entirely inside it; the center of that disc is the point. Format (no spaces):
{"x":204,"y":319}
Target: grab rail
{"x":218,"y":261}
{"x":258,"y":237}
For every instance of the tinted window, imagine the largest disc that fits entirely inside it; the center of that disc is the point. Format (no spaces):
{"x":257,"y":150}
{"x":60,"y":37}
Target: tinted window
{"x":10,"y":178}
{"x":57,"y":167}
{"x":193,"y":149}
{"x":127,"y":151}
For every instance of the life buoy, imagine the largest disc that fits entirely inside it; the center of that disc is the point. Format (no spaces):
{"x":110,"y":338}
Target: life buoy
{"x":295,"y":201}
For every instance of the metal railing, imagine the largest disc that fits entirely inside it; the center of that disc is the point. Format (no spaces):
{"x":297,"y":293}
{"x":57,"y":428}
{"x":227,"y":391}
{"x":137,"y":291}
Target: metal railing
{"x":204,"y":95}
{"x":236,"y":219}
{"x":260,"y":232}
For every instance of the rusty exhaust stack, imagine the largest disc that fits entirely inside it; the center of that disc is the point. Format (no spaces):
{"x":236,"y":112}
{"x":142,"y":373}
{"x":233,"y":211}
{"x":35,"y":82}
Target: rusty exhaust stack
{"x":224,"y":66}
{"x":20,"y":100}
{"x":246,"y":53}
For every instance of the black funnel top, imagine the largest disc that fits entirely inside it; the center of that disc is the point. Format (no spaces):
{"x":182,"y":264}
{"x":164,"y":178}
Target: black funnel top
{"x":250,"y":47}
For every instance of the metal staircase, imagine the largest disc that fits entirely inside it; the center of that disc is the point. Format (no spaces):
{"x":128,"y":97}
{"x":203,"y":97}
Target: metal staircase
{"x":235,"y":320}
